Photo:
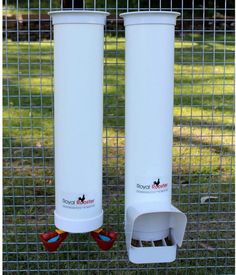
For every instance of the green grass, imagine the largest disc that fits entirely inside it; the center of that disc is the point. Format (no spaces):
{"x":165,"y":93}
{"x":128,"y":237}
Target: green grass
{"x":202,"y":157}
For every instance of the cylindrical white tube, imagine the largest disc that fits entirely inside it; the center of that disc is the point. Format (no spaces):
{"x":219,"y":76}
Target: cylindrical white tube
{"x":149,"y":116}
{"x":78,"y":81}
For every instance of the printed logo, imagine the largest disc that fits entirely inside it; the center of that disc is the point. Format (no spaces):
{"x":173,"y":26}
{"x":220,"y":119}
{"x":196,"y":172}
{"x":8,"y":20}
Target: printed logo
{"x":80,"y":202}
{"x":155,"y":186}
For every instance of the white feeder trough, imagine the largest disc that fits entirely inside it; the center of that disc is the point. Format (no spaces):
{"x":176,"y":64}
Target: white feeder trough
{"x":78,"y":82}
{"x":153,"y":227}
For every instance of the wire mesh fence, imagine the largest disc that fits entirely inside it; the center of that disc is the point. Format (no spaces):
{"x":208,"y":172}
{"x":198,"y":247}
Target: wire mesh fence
{"x":203,"y":151}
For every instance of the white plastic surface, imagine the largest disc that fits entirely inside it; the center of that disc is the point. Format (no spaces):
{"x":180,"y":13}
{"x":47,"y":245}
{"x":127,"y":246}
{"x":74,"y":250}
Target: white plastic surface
{"x":78,"y":82}
{"x":150,"y":17}
{"x":148,"y":128}
{"x":166,"y":216}
{"x":79,"y":17}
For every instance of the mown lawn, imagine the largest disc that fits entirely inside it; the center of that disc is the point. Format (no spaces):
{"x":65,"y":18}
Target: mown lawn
{"x":202,"y":158}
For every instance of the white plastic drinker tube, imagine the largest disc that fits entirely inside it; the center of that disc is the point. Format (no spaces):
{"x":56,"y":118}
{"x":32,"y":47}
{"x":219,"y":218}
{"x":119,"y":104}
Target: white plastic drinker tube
{"x":78,"y":81}
{"x":149,"y":215}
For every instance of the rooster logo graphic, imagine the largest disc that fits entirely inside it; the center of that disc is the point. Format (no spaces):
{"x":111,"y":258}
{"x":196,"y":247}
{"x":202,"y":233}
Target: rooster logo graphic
{"x":82,"y":199}
{"x":157,"y":182}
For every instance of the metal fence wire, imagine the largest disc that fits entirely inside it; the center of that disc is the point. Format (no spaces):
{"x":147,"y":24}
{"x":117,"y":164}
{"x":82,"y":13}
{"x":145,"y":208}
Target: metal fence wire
{"x":203,"y":151}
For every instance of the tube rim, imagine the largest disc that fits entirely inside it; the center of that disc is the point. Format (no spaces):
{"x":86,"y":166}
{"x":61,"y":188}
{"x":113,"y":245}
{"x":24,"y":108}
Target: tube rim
{"x":150,"y":17}
{"x":78,"y":12}
{"x":78,"y":17}
{"x":150,"y":12}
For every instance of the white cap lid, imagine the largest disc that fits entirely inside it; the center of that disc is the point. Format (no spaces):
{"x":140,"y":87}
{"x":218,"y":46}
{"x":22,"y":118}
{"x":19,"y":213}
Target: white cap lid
{"x":150,"y":17}
{"x":79,"y":17}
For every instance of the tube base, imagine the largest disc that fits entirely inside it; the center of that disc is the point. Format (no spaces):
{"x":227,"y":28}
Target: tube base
{"x":78,"y":226}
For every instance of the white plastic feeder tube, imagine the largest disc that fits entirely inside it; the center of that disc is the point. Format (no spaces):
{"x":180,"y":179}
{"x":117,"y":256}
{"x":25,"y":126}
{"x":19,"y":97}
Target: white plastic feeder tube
{"x":149,"y":214}
{"x":78,"y":81}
